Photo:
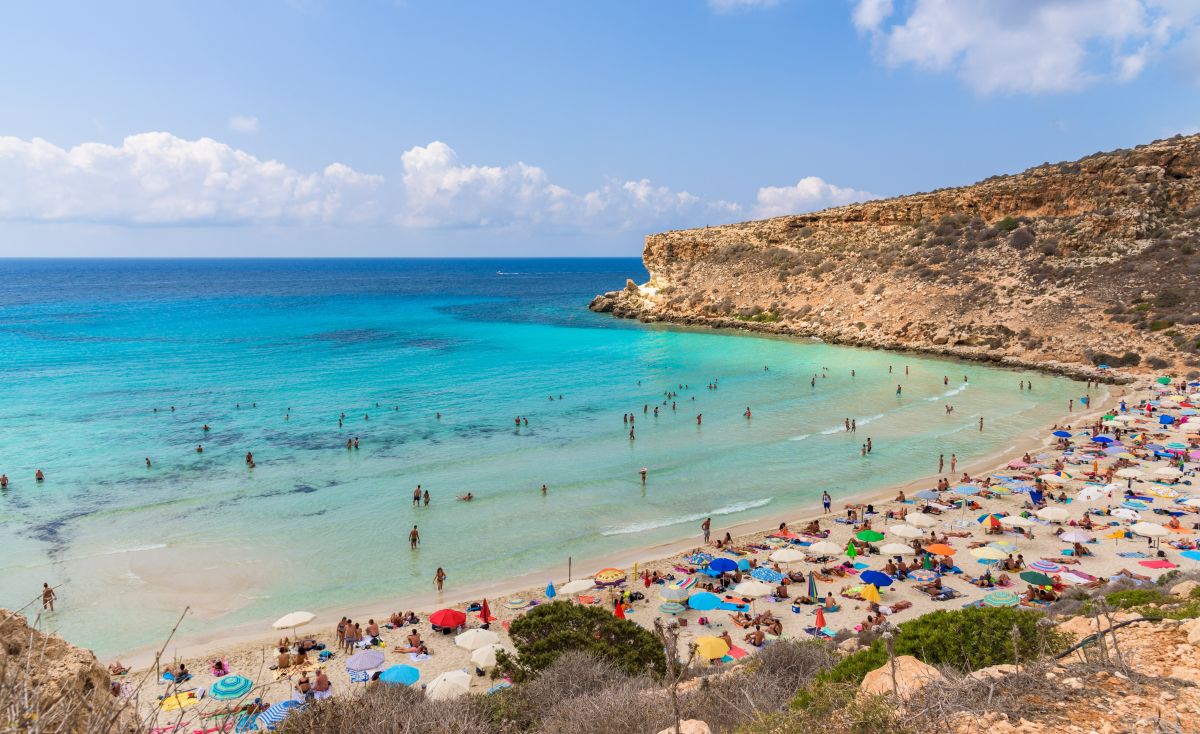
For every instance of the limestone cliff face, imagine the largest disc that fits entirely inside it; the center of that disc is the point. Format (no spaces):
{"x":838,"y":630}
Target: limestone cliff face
{"x":1064,"y":266}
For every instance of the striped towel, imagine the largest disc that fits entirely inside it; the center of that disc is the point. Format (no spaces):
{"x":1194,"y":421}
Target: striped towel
{"x":359,"y":676}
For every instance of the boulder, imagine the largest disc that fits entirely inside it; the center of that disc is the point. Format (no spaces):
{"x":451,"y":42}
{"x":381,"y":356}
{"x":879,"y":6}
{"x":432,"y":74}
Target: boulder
{"x":1184,"y":588}
{"x":688,"y":726}
{"x":911,"y":676}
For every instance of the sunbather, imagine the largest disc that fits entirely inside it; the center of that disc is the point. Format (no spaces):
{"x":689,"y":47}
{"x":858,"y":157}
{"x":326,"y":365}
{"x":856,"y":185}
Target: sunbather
{"x":118,"y":668}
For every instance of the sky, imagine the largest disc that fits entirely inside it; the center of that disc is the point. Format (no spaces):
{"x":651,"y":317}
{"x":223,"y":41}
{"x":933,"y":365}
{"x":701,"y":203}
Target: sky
{"x":442,"y":128}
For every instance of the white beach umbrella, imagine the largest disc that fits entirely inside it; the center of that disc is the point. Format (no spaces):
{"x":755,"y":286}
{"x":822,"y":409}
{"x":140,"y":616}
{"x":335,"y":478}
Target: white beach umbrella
{"x":1169,"y":472}
{"x":578,"y":586}
{"x":448,"y":685}
{"x":474,"y":639}
{"x":1053,"y":514}
{"x":671,"y":592}
{"x":987,"y":553}
{"x":753,"y":589}
{"x":906,"y":531}
{"x":1149,"y":530}
{"x":1191,"y":502}
{"x":1091,"y":493}
{"x":921,"y":520}
{"x":485,"y":657}
{"x":825,"y":548}
{"x":293,"y":620}
{"x":1017,"y":521}
{"x":1126,"y":513}
{"x":787,"y":555}
{"x":1054,"y":479}
{"x":1114,"y":423}
{"x":897,"y":549}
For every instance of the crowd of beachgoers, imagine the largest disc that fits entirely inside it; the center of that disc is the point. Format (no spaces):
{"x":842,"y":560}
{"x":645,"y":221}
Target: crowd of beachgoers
{"x":1113,"y":495}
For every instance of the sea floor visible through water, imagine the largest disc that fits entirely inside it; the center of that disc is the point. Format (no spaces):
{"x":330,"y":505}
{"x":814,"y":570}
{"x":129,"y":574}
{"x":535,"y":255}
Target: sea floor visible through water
{"x":108,"y":363}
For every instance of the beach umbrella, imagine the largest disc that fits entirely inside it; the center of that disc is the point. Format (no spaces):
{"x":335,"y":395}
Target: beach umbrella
{"x":906,"y":531}
{"x":927,"y":494}
{"x":1149,"y":530}
{"x":1036,"y":578}
{"x":897,"y":549}
{"x":711,"y":648}
{"x":940,"y":549}
{"x":476,"y":638}
{"x":485,"y":613}
{"x":1004,"y":546}
{"x":851,"y":551}
{"x":1062,"y":434}
{"x":743,"y":564}
{"x":448,"y":618}
{"x":722,"y":565}
{"x":1046,"y":566}
{"x":230,"y":686}
{"x":825,"y":548}
{"x":451,"y":684}
{"x":1166,"y":420}
{"x":966,"y":490}
{"x":821,"y":618}
{"x":921,"y":520}
{"x":404,"y":675}
{"x":1102,"y":439}
{"x":1091,"y":494}
{"x":293,"y":620}
{"x":1001,"y":598}
{"x":1054,"y":479}
{"x":753,"y":589}
{"x":550,"y":592}
{"x":1164,"y":380}
{"x":672,"y":608}
{"x":812,"y":586}
{"x":770,"y":575}
{"x":1126,"y":514}
{"x":1017,"y":521}
{"x":869,"y":536}
{"x":871,"y":593}
{"x":619,"y":610}
{"x":876,"y":578}
{"x":485,"y":657}
{"x":1191,"y":502}
{"x":673,"y":593}
{"x":787,"y":555}
{"x":1191,"y":555}
{"x":1053,"y":514}
{"x":989,"y":518}
{"x":922,"y":575}
{"x":578,"y":586}
{"x":365,"y":660}
{"x":608,"y":576}
{"x":1075,"y":536}
{"x":277,"y":713}
{"x":1169,"y":472}
{"x":987,"y":553}
{"x":705,"y":601}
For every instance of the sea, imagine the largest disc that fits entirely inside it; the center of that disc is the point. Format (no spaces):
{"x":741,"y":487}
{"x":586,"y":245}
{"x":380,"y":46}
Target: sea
{"x":428,"y":364}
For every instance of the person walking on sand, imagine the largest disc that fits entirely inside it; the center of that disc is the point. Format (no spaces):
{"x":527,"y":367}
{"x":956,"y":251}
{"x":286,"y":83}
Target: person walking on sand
{"x":439,"y":578}
{"x":706,"y":526}
{"x":417,"y":496}
{"x":414,"y":538}
{"x":826,"y":501}
{"x":48,"y":597}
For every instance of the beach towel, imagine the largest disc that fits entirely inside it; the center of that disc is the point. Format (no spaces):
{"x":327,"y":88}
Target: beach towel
{"x":1133,"y":554}
{"x":1158,"y":563}
{"x":737,"y":653}
{"x":417,"y":657}
{"x":359,"y":676}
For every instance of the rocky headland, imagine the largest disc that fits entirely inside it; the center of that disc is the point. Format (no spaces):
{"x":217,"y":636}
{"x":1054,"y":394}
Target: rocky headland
{"x":1064,"y":267}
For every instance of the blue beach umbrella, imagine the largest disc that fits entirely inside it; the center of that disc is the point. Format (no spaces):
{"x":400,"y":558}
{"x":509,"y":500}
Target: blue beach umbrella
{"x":705,"y":601}
{"x":400,"y":674}
{"x":743,"y":564}
{"x":1191,"y":555}
{"x":1102,"y":439}
{"x":1062,"y":434}
{"x":550,"y":592}
{"x":1166,"y":420}
{"x":722,"y":565}
{"x":230,"y":686}
{"x":967,"y":490}
{"x":876,"y":578}
{"x":927,"y":494}
{"x":278,"y":713}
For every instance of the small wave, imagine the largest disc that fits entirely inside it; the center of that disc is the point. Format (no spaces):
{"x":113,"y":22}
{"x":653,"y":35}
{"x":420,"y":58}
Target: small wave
{"x":641,"y":527}
{"x":134,"y":549}
{"x":501,"y":272}
{"x":872,"y":419}
{"x":801,"y":437}
{"x":831,"y":431}
{"x":955,"y":391}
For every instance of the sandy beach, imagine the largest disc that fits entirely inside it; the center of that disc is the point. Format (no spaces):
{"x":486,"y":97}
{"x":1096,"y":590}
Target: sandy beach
{"x":251,"y":653}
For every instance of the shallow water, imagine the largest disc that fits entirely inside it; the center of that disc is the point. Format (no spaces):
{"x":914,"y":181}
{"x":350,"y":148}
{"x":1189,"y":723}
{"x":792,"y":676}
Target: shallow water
{"x":91,"y":348}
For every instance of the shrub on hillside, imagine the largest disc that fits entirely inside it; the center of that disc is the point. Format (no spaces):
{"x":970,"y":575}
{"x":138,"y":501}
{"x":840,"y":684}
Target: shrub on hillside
{"x":550,"y":630}
{"x":966,"y":639}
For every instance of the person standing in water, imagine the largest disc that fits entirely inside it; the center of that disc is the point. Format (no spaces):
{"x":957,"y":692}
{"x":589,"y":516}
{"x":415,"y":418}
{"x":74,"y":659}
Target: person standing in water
{"x":868,"y":444}
{"x":699,"y":417}
{"x":544,"y":490}
{"x":898,"y":390}
{"x":953,"y":463}
{"x":941,"y":462}
{"x":643,"y":473}
{"x":981,"y":423}
{"x":48,"y":597}
{"x":425,"y":498}
{"x":826,"y":501}
{"x":414,"y":538}
{"x":706,"y":527}
{"x":439,"y":578}
{"x":417,"y":496}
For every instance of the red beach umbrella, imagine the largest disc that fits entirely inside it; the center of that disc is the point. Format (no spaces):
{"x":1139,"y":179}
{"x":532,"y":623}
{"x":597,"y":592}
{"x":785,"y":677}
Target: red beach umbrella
{"x":620,"y":611}
{"x":448,"y":618}
{"x":820,"y":618}
{"x":485,"y":614}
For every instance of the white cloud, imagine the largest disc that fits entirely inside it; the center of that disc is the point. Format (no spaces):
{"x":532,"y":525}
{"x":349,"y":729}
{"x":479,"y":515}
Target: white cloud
{"x":157,"y":178}
{"x":730,"y":6}
{"x":440,"y":191}
{"x":243,"y":123}
{"x":1029,"y":45}
{"x":809,"y":194}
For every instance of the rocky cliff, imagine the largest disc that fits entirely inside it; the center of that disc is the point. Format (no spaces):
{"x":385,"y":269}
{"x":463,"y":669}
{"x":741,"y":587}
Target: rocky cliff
{"x":1065,"y":266}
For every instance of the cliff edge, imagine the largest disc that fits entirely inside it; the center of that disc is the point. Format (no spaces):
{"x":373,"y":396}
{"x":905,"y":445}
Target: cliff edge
{"x":1065,"y":266}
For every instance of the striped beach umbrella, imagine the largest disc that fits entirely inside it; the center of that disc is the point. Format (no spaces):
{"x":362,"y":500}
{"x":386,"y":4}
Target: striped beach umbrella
{"x":1001,"y":598}
{"x":922,"y":576}
{"x":812,"y":586}
{"x":277,"y":713}
{"x":1004,"y":546}
{"x":673,"y":593}
{"x":230,"y":686}
{"x":1047,"y":566}
{"x":672,"y":608}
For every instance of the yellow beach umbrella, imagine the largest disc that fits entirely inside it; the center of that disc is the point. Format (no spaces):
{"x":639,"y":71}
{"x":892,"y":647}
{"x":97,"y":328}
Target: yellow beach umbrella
{"x":711,"y":648}
{"x":871,"y":593}
{"x":987,"y":553}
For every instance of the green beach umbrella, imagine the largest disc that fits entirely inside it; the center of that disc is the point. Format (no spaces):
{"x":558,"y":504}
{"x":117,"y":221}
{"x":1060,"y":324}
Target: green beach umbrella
{"x":869,"y":536}
{"x":1037,"y":579}
{"x":851,"y":550}
{"x":1164,"y":380}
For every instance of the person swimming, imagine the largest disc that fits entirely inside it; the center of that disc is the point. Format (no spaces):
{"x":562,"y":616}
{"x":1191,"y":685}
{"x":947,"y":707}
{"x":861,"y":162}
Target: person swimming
{"x":466,"y":497}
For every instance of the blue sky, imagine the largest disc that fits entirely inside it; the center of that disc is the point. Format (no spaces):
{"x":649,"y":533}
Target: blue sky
{"x":461,"y":128}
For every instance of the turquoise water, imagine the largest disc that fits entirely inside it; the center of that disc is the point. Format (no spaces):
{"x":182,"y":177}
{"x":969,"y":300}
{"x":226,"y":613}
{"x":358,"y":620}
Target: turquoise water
{"x":91,"y":348}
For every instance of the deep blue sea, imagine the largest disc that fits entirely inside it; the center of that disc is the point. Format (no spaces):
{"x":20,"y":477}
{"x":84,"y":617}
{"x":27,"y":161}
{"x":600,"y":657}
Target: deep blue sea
{"x":105,"y":363}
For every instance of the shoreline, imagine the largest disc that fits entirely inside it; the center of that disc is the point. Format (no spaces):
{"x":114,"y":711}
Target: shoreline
{"x":532,"y":583}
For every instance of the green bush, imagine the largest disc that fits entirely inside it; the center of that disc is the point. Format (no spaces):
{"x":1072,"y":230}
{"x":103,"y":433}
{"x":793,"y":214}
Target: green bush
{"x":1007,"y":224}
{"x":1133,"y":598}
{"x":967,"y":639}
{"x":1159,"y":325}
{"x":549,"y":630}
